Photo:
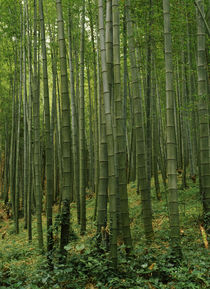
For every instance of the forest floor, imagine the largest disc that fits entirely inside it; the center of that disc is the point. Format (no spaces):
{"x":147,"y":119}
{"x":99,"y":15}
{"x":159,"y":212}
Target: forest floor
{"x":23,"y":266}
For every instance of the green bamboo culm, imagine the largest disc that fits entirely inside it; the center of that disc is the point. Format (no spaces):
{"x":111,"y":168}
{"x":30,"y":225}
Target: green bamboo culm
{"x":75,"y":135}
{"x":103,"y":165}
{"x":103,"y":174}
{"x":25,"y":161}
{"x":203,"y":116}
{"x":49,"y":148}
{"x":29,"y":113}
{"x":66,"y":131}
{"x":173,"y":207}
{"x":95,"y":109}
{"x":36,"y":118}
{"x":17,"y":175}
{"x":110,"y":142}
{"x":82,"y":125}
{"x":139,"y":133}
{"x":120,"y":131}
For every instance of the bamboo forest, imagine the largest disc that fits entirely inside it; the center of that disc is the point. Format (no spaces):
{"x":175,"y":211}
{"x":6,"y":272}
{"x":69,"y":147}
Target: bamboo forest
{"x":104,"y":144}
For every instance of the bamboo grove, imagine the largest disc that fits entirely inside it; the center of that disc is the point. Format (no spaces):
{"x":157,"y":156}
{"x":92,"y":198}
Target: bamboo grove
{"x":95,"y":95}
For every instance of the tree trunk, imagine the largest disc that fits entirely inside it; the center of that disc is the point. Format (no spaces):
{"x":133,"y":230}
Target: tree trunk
{"x":171,"y":139}
{"x":120,"y":131}
{"x":140,"y":144}
{"x":110,"y":141}
{"x":49,"y":151}
{"x":75,"y":135}
{"x":17,"y":175}
{"x":203,"y":117}
{"x":29,"y":128}
{"x":82,"y":125}
{"x":66,"y":133}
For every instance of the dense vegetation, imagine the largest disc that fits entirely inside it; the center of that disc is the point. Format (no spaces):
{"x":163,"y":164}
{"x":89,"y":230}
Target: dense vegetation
{"x":22,"y":266}
{"x":104,"y":144}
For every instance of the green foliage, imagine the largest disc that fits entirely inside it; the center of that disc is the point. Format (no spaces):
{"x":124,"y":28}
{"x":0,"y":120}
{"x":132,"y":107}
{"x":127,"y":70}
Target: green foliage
{"x":15,"y":265}
{"x":88,"y":266}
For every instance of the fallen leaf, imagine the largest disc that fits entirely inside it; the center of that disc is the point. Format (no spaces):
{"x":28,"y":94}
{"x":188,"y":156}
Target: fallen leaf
{"x":152,"y":266}
{"x":203,"y":234}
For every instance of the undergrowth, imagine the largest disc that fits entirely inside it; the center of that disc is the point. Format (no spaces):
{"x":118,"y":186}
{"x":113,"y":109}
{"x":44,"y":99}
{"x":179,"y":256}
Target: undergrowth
{"x":87,"y":266}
